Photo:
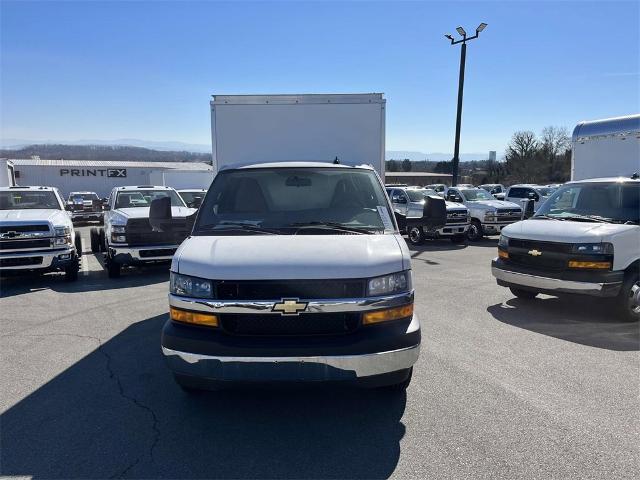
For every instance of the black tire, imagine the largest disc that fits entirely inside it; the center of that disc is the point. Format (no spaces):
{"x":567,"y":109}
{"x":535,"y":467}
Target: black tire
{"x":628,"y":301}
{"x":102,"y":241}
{"x":77,"y":241}
{"x":95,"y":240}
{"x":523,"y":294}
{"x":415,"y":235}
{"x":400,"y":386}
{"x":113,"y":268}
{"x":458,"y":238}
{"x":475,"y":232}
{"x":71,"y":272}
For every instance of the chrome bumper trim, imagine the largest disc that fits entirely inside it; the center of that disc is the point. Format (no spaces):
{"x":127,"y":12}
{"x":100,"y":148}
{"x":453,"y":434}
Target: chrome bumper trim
{"x":550,"y":284}
{"x":134,"y":252}
{"x":47,"y":258}
{"x":304,"y":368}
{"x":456,"y":226}
{"x":313,"y":305}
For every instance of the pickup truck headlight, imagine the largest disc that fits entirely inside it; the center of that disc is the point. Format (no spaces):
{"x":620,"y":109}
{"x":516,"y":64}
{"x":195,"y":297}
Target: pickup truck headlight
{"x":490,"y":217}
{"x":188,"y":286}
{"x":118,"y":228}
{"x":389,"y":284}
{"x":62,"y":231}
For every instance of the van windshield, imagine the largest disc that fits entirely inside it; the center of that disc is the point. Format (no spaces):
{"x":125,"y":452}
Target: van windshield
{"x":294,"y":201}
{"x":599,"y":202}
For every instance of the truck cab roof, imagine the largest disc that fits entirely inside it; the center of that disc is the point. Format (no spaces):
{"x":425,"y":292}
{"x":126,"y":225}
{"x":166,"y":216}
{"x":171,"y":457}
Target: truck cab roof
{"x":630,"y":179}
{"x":45,"y":189}
{"x":294,"y":165}
{"x":142,"y":187}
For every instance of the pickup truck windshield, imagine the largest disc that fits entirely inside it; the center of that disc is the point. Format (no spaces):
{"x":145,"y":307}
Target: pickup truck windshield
{"x":143,"y":198}
{"x":612,"y":202}
{"x":28,"y":199}
{"x":476,"y":194}
{"x":546,"y":191}
{"x":75,"y":197}
{"x":290,"y":200}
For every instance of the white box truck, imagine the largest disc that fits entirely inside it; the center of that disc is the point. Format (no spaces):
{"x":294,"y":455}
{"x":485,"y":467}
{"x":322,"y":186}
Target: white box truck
{"x":606,"y":148}
{"x":295,"y":269}
{"x":312,"y":127}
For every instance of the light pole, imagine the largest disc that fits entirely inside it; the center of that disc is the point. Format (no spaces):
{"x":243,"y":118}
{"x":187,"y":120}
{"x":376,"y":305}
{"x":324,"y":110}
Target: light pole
{"x":463,"y":56}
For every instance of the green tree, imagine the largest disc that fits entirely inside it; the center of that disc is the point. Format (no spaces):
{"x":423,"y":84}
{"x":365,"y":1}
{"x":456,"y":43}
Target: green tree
{"x":406,"y":165}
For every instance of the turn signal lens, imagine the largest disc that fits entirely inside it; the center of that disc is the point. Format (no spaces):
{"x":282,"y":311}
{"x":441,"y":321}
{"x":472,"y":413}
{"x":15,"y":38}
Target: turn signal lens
{"x":195,"y":318}
{"x":503,"y":254}
{"x":591,"y":265}
{"x":388,"y":315}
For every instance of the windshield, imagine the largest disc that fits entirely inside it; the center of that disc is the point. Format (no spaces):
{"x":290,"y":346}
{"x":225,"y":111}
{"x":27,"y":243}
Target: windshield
{"x":143,"y":198}
{"x":546,"y":191}
{"x":79,"y":197}
{"x":189,"y":197}
{"x":617,"y":202}
{"x":476,"y":194}
{"x":416,"y":195}
{"x":288,"y":200}
{"x":28,"y":199}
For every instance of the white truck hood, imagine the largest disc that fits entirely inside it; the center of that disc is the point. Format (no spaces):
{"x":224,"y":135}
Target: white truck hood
{"x":564,"y":231}
{"x":491,"y":204}
{"x":264,"y":257}
{"x":143,"y":212}
{"x":17,"y":217}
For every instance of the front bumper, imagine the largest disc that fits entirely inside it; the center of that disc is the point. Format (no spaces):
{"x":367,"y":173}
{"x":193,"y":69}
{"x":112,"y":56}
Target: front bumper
{"x":599,"y":284}
{"x":369,"y":351}
{"x":127,"y":255}
{"x":87,"y":216}
{"x":454,"y":229}
{"x":495,"y":228}
{"x":48,"y":260}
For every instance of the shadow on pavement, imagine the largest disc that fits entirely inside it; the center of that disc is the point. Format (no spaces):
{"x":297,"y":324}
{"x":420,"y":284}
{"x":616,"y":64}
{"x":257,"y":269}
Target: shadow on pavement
{"x":117,"y":413}
{"x":586,"y":321}
{"x":93,"y":280}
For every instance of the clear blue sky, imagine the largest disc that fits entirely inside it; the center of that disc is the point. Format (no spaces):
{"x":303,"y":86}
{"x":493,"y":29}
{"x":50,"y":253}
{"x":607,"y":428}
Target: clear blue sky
{"x":146,"y":70}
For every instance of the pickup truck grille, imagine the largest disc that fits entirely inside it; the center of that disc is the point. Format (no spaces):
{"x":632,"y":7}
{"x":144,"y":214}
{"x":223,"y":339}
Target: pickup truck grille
{"x":509,"y":214}
{"x":24,"y":244}
{"x":20,"y":261}
{"x":277,"y":289}
{"x":305,"y":324}
{"x":139,"y":233}
{"x":24,"y":228}
{"x":457,"y":217}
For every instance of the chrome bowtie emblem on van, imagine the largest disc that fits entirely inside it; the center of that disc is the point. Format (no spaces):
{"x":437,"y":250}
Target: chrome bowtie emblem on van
{"x":535,"y":253}
{"x":289,"y":306}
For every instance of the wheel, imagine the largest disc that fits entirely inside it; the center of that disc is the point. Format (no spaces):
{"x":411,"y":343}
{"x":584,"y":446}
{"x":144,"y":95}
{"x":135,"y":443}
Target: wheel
{"x":415,"y":235}
{"x":95,"y":240}
{"x":113,"y":268}
{"x":102,"y":241}
{"x":629,"y":299}
{"x":77,"y":241}
{"x":523,"y":294}
{"x":475,"y":232}
{"x":460,"y":238}
{"x":71,"y":272}
{"x":401,"y":386}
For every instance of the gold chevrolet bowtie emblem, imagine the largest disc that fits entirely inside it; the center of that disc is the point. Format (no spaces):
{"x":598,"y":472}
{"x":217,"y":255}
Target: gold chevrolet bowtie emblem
{"x":289,"y":306}
{"x":535,"y":253}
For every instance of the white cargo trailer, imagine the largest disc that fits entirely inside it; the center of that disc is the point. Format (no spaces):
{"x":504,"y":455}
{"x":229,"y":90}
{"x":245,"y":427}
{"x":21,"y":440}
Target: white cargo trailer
{"x":182,"y":179}
{"x":249,"y":129}
{"x":606,"y":148}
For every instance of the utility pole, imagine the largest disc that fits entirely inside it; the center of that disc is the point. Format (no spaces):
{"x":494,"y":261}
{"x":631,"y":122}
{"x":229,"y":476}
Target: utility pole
{"x":463,"y":58}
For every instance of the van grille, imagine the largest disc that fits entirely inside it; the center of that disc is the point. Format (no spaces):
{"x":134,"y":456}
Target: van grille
{"x":305,"y":324}
{"x":277,"y":289}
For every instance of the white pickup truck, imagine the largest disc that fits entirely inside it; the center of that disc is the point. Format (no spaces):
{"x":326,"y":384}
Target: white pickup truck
{"x":36,"y":233}
{"x":488,"y":215}
{"x":127,"y":237}
{"x":585,"y":239}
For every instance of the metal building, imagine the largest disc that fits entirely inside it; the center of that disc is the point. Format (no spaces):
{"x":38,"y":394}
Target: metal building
{"x":95,"y":176}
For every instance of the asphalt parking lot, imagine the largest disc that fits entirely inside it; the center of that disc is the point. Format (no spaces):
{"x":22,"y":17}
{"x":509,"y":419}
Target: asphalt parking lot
{"x":503,"y":388}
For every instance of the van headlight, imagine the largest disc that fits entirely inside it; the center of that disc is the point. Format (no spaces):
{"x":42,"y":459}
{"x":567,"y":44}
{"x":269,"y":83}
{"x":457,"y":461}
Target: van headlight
{"x":503,"y":242}
{"x":593,"y":248}
{"x":389,"y":284}
{"x":188,"y":286}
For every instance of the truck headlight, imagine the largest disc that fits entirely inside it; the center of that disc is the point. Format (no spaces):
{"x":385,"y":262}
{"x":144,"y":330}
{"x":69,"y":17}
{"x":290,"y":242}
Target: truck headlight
{"x":66,"y":240}
{"x":118,"y":228}
{"x":389,"y":284}
{"x":188,"y":286}
{"x":62,"y":231}
{"x":118,"y":238}
{"x":593,"y":248}
{"x":490,"y":216}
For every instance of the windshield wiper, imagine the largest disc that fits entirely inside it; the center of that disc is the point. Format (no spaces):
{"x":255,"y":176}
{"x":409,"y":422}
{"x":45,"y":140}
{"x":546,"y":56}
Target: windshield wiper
{"x":240,"y":226}
{"x":332,"y":226}
{"x":589,"y":218}
{"x":547,"y":217}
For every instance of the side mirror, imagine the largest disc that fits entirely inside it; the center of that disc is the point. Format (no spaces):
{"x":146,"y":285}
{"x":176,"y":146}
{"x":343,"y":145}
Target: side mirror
{"x":160,"y":214}
{"x":528,"y":210}
{"x":191,"y":220}
{"x":434,"y":212}
{"x":195,"y":203}
{"x":68,"y":207}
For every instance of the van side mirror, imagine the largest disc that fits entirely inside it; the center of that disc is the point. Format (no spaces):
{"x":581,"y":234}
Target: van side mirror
{"x":195,"y":203}
{"x":160,"y":214}
{"x":528,"y":208}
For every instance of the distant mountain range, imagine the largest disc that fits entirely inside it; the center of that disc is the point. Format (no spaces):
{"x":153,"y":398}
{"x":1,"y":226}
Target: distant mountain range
{"x":19,"y":144}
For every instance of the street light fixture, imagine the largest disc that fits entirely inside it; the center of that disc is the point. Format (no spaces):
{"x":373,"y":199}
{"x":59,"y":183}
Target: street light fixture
{"x":463,"y":56}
